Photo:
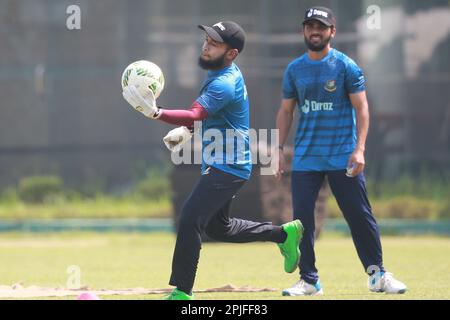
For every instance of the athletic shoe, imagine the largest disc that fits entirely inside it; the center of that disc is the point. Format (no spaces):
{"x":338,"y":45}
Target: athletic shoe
{"x":290,"y":247}
{"x":386,"y":283}
{"x":303,"y":288}
{"x":178,"y":295}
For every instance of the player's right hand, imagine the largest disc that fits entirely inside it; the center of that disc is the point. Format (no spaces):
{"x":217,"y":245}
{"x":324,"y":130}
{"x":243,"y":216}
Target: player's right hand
{"x":281,"y":165}
{"x":146,"y":105}
{"x":175,"y":139}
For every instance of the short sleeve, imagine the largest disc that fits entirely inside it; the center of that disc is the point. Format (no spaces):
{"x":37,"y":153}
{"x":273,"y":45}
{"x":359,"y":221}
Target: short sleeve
{"x":217,"y":95}
{"x":354,"y":78}
{"x":289,"y":89}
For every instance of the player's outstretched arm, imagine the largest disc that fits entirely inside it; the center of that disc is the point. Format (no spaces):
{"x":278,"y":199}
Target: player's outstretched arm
{"x":184,"y":117}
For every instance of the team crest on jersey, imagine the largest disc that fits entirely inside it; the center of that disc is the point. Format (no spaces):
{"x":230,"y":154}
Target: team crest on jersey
{"x":330,"y":86}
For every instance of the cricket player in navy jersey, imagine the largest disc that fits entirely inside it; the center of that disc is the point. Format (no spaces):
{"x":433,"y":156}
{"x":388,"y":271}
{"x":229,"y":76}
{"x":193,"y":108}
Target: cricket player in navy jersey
{"x":329,"y":90}
{"x":223,"y":105}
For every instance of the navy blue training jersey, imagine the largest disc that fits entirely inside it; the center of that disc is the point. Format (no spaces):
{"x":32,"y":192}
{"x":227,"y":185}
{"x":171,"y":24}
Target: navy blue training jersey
{"x":326,"y":132}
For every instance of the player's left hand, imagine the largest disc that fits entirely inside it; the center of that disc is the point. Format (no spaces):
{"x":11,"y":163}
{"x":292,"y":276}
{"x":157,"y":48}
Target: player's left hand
{"x":281,"y":165}
{"x":144,"y":104}
{"x":175,"y":139}
{"x":357,"y":162}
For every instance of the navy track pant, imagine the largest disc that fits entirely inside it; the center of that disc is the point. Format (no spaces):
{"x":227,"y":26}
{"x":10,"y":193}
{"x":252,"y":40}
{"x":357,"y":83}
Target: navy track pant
{"x":351,"y":196}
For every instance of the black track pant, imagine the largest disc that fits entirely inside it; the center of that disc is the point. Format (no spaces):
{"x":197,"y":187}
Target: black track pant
{"x":207,"y":209}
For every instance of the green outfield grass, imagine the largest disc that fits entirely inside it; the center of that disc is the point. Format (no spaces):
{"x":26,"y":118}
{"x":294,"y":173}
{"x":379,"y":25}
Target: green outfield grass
{"x":116,"y":261}
{"x":102,"y":207}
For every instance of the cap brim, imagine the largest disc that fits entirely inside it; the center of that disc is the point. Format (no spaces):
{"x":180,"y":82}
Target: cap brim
{"x":325,"y":22}
{"x":211,"y":32}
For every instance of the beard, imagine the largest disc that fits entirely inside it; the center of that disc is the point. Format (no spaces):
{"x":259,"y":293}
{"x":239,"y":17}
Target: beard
{"x":215,"y":64}
{"x":317,"y":46}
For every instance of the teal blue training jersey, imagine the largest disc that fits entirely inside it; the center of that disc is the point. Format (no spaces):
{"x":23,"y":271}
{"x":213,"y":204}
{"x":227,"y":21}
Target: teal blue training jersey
{"x":224,"y":96}
{"x":326,"y":132}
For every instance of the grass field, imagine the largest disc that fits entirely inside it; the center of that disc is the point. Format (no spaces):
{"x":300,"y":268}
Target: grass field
{"x":114,"y":261}
{"x":96,"y":208}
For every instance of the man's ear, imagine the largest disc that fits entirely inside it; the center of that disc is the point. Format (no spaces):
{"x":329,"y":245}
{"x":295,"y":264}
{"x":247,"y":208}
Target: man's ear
{"x":232,"y":54}
{"x":333,"y":31}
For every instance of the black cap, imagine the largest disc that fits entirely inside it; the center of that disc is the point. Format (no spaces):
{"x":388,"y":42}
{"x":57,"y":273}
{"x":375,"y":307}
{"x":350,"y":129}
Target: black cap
{"x":322,"y":14}
{"x":228,"y":32}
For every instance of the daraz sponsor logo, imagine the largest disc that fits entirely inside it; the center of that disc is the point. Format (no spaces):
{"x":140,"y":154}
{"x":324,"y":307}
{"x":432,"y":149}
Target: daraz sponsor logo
{"x":316,"y":106}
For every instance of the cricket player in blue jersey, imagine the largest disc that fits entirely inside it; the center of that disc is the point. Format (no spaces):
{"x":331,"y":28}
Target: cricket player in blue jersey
{"x":329,"y":90}
{"x":222,"y":106}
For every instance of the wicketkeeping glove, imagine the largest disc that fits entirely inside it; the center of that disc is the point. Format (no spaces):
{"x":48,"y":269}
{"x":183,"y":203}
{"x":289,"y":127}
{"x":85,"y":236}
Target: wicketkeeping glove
{"x":145,"y":105}
{"x":175,"y":139}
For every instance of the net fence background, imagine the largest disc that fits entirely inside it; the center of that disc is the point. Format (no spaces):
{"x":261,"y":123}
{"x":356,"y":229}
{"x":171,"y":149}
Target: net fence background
{"x":61,"y":106}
